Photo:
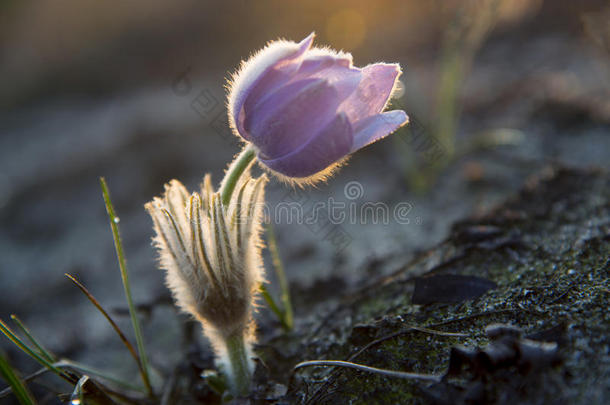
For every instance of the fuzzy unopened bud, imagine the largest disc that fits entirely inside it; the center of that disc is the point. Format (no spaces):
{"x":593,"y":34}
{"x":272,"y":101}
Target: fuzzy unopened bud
{"x":211,"y":254}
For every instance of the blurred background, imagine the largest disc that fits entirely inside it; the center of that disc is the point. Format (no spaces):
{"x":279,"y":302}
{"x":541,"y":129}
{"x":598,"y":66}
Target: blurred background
{"x":134,"y":91}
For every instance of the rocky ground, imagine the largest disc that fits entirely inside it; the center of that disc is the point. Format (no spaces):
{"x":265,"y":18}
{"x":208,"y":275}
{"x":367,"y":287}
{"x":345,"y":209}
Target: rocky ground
{"x":539,"y":263}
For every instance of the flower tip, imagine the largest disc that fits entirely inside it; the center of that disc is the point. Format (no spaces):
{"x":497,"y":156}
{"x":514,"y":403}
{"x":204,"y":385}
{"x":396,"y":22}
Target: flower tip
{"x":393,"y":69}
{"x":403,"y":119}
{"x":309,"y":37}
{"x":396,"y":66}
{"x":306,"y":43}
{"x":398,"y":116}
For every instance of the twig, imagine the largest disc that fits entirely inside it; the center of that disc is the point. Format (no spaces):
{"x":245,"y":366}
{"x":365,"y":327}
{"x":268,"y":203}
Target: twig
{"x":388,"y":373}
{"x":378,"y":341}
{"x":437,"y":332}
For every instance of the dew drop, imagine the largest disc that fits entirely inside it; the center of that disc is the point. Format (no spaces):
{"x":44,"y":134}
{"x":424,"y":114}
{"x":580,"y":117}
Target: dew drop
{"x":116,"y":220}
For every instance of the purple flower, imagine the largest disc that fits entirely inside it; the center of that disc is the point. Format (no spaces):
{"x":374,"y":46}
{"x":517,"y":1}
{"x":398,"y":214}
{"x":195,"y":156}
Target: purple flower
{"x":305,"y":109}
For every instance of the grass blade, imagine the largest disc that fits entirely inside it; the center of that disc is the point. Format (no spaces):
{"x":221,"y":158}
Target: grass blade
{"x":14,"y":381}
{"x":287,"y":314}
{"x":118,"y":330}
{"x":124,"y":276}
{"x":31,"y":338}
{"x":19,"y":343}
{"x":271,"y":302}
{"x":26,"y":380}
{"x":64,"y":363}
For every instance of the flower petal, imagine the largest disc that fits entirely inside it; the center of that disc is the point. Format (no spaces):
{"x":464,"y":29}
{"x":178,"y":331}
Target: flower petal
{"x":319,"y":60}
{"x":373,"y":93}
{"x":260,"y":112}
{"x":283,"y":127}
{"x":337,"y":72}
{"x":263,"y":72}
{"x":377,"y":127}
{"x":328,"y":146}
{"x":344,"y":79}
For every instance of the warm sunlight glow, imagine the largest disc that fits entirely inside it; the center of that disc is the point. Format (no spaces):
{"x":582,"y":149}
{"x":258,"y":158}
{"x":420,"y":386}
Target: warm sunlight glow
{"x":346,"y":29}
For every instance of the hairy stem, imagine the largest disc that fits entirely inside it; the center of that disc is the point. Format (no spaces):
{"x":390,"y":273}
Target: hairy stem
{"x":240,"y":364}
{"x":236,"y":169}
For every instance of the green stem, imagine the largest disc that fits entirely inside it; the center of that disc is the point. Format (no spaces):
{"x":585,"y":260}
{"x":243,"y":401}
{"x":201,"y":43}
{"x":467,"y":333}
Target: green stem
{"x":234,"y":172}
{"x":240,"y":373}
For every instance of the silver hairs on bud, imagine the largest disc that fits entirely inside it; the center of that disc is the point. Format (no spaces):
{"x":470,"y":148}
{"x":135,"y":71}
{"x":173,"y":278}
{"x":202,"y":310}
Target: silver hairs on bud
{"x":212,"y":254}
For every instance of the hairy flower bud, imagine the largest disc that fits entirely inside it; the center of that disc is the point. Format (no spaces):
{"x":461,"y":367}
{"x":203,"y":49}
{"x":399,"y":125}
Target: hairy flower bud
{"x":305,"y":109}
{"x":211,"y":254}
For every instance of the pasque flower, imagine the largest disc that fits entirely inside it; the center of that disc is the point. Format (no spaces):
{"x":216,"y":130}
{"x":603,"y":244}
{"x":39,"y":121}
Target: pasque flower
{"x":302,"y":111}
{"x":211,"y":254}
{"x":305,"y":109}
